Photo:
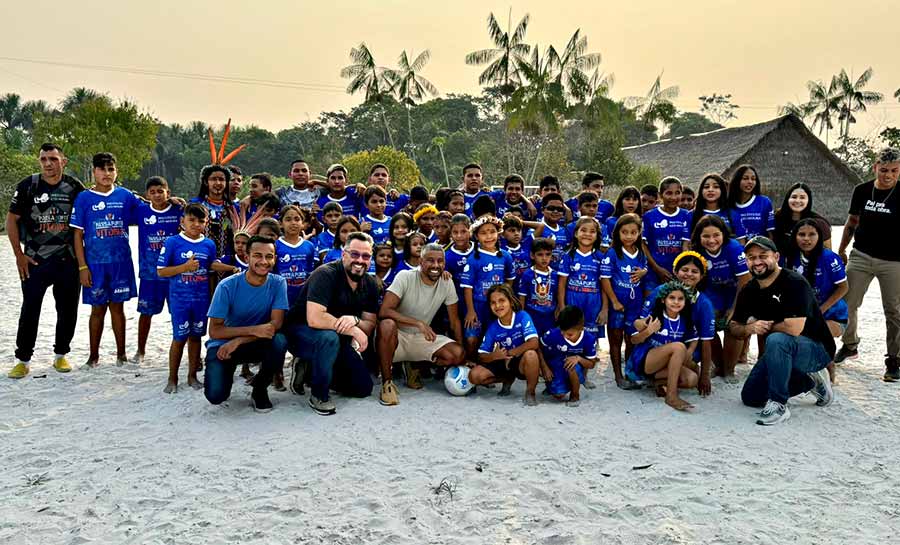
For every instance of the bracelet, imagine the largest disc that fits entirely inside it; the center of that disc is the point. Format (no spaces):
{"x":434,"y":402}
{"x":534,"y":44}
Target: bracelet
{"x":357,"y":321}
{"x":82,"y":268}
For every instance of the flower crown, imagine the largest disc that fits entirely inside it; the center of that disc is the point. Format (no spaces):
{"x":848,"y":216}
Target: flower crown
{"x":687,"y":253}
{"x":677,"y":285}
{"x":484,"y":220}
{"x":427,"y":209}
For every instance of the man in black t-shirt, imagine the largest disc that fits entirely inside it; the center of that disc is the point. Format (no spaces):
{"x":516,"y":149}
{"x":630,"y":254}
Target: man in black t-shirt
{"x":873,"y":221}
{"x":38,"y":218}
{"x":779,"y":305}
{"x":330,"y":323}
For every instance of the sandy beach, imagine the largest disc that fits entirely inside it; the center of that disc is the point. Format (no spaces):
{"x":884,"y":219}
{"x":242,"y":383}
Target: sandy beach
{"x":104,"y":456}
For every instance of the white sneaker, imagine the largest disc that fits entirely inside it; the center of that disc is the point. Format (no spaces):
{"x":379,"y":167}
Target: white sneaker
{"x":773,"y":413}
{"x":822,"y":388}
{"x":323,"y":408}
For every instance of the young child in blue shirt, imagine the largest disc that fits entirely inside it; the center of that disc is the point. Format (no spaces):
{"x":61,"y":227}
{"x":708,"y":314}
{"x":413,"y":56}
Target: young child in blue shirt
{"x":593,"y":182}
{"x":628,"y":202}
{"x":186,"y":260}
{"x":348,"y":197}
{"x":100,"y":217}
{"x":554,"y":211}
{"x":518,"y":246}
{"x":157,"y":221}
{"x":538,"y":286}
{"x":579,"y":276}
{"x":666,"y":232}
{"x":295,"y":257}
{"x":510,"y":346}
{"x":566,"y":351}
{"x":345,"y":226}
{"x":375,"y":222}
{"x":324,"y":241}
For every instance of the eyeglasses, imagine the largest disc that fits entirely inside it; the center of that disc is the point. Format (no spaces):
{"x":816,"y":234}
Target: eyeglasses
{"x":554,"y":209}
{"x":357,"y":255}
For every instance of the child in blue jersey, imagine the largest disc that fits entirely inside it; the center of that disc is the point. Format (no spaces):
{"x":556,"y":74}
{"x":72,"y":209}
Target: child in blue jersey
{"x":714,"y":201}
{"x":579,"y":277}
{"x":667,"y":232}
{"x":622,"y":271}
{"x":824,"y":270}
{"x":324,"y":241}
{"x":726,"y":274}
{"x":157,"y":221}
{"x":442,"y":228}
{"x":688,"y":199}
{"x":348,"y":197}
{"x":412,"y":251}
{"x":510,"y":346}
{"x":237,"y":260}
{"x":587,"y":208}
{"x":424,"y":220}
{"x":649,"y":198}
{"x":566,"y":351}
{"x":593,"y":182}
{"x":375,"y":222}
{"x":101,"y":217}
{"x":380,"y":176}
{"x":295,"y":257}
{"x":345,"y":226}
{"x":538,"y":286}
{"x":628,"y":202}
{"x":487,"y":266}
{"x":471,"y":181}
{"x":554,"y":211}
{"x":748,"y":206}
{"x":457,"y":254}
{"x":186,"y":260}
{"x":664,"y":343}
{"x":400,"y":227}
{"x":513,"y":194}
{"x":518,"y":246}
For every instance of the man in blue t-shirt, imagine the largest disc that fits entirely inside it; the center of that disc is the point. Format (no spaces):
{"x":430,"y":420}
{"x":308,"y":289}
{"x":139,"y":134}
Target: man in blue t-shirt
{"x":246,"y":312}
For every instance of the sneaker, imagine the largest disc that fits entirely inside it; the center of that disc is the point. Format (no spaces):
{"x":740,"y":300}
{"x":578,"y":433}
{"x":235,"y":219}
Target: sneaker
{"x":62,"y":365}
{"x":278,"y":383}
{"x":773,"y":413}
{"x":845,"y":354}
{"x":260,"y":402}
{"x":822,"y":388}
{"x":19,"y":371}
{"x":298,"y":370}
{"x":892,"y":369}
{"x":389,"y":394}
{"x":323,"y":408}
{"x":413,"y":379}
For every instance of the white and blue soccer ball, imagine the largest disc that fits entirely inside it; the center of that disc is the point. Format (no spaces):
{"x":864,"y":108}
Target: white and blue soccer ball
{"x":456,"y":380}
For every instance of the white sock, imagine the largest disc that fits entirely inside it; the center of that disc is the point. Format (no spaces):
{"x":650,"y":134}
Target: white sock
{"x":57,"y":357}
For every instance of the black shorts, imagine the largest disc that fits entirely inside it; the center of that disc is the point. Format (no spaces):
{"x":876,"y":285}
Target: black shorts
{"x":500,"y":370}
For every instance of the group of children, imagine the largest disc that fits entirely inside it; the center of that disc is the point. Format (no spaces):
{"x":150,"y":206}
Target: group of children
{"x":539,"y":279}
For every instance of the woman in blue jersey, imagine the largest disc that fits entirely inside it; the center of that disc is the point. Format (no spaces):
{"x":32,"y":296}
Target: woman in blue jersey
{"x":712,"y":199}
{"x":628,"y":202}
{"x":747,"y":206}
{"x":727,"y":273}
{"x":622,"y":272}
{"x":579,"y":276}
{"x":665,"y":342}
{"x":510,"y":346}
{"x":797,"y":205}
{"x":824,"y":270}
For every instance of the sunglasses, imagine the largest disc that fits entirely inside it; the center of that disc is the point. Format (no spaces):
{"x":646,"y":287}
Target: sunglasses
{"x":555,"y":209}
{"x":358,"y":255}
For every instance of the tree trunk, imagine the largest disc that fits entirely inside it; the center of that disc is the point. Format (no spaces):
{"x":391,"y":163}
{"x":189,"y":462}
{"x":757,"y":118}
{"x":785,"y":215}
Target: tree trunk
{"x":412,"y":145}
{"x":444,"y":162}
{"x":387,"y":127}
{"x":537,"y":157}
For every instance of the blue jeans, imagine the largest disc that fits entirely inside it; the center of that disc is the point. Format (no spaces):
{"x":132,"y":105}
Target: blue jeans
{"x":219,"y":374}
{"x":782,"y":371}
{"x":333,"y":362}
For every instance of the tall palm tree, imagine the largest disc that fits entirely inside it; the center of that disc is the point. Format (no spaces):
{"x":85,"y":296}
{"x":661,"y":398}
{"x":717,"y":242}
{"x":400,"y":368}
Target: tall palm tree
{"x":502,"y":60}
{"x":596,"y":107}
{"x":802,"y":110}
{"x":853,"y":98}
{"x":365,"y":75}
{"x":409,"y":87}
{"x":34,"y":110}
{"x":825,"y":103}
{"x":10,"y":111}
{"x":79,"y":96}
{"x":572,"y":66}
{"x":656,"y":105}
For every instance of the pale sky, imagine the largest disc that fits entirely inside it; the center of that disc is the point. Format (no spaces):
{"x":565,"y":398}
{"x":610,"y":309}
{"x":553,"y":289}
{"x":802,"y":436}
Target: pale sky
{"x":762,"y":52}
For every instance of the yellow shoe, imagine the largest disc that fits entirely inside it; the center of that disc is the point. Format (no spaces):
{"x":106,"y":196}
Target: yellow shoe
{"x":62,"y":365}
{"x":19,"y":371}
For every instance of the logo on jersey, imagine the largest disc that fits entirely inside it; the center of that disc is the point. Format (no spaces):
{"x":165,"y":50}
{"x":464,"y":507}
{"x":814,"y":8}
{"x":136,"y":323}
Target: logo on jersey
{"x":286,"y":258}
{"x":488,"y":268}
{"x":664,"y":332}
{"x":99,"y":206}
{"x":188,"y":254}
{"x":662,"y":224}
{"x":150,"y":221}
{"x":577,"y":267}
{"x":562,"y":348}
{"x":185,"y":326}
{"x":199,"y":324}
{"x":44,"y":197}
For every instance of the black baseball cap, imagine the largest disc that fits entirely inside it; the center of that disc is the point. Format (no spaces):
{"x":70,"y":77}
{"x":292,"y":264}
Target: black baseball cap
{"x":762,"y":242}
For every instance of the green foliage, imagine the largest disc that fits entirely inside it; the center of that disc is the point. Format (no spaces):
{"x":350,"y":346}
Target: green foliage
{"x":643,"y":175}
{"x":404,"y":172}
{"x":718,"y":108}
{"x":858,"y":154}
{"x":690,"y":123}
{"x":14,"y":166}
{"x":891,"y":136}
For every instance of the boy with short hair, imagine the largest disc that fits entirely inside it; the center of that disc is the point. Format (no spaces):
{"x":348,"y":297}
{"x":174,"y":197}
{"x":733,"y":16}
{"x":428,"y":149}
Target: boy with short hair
{"x":260,"y":184}
{"x":566,"y":351}
{"x":157,"y":220}
{"x":472,"y":179}
{"x":331,"y":214}
{"x":513,"y":194}
{"x":554,"y":209}
{"x":101,"y":216}
{"x":649,"y":198}
{"x":587,"y":203}
{"x":538,"y":285}
{"x":593,"y":182}
{"x":375,"y":222}
{"x":688,"y":198}
{"x":187,"y":259}
{"x":340,"y":192}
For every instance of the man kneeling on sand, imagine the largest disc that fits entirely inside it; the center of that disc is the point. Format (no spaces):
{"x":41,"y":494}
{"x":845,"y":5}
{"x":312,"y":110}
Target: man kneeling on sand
{"x":404,"y":333}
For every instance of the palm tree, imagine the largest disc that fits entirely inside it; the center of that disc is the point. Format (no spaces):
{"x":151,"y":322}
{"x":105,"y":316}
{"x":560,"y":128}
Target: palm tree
{"x":656,"y":105}
{"x":79,"y":96}
{"x":824,"y":104}
{"x":409,"y":87}
{"x":596,"y":107}
{"x":802,"y":110}
{"x":502,"y":60}
{"x":571,"y":67}
{"x":366,"y":76}
{"x":853,"y":98}
{"x":439,"y":142}
{"x":34,"y":110}
{"x":10,"y":111}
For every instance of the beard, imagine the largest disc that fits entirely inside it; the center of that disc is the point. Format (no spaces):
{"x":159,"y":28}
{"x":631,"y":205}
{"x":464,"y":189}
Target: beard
{"x":763,"y":275}
{"x":355,"y":277}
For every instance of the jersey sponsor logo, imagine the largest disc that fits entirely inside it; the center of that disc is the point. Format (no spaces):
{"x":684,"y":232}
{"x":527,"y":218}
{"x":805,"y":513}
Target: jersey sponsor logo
{"x":188,"y":254}
{"x":99,"y":206}
{"x":488,"y":268}
{"x":577,"y":267}
{"x":661,"y":224}
{"x":42,"y":198}
{"x":150,"y":221}
{"x":562,"y":348}
{"x":121,"y":290}
{"x":286,"y":258}
{"x":198,"y":324}
{"x":184,"y":326}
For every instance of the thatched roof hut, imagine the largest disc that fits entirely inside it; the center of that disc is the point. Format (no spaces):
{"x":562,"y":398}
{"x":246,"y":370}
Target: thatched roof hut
{"x":783,"y":150}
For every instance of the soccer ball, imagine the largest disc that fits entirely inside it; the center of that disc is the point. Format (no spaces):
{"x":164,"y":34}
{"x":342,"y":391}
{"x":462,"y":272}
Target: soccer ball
{"x":457,"y":380}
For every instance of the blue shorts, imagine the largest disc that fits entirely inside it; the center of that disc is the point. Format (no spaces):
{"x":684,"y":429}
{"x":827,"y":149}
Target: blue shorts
{"x":152,"y":295}
{"x":110,"y":283}
{"x":483,"y":311}
{"x":560,"y":383}
{"x":543,"y":321}
{"x":634,"y":367}
{"x":625,"y":319}
{"x":188,"y":319}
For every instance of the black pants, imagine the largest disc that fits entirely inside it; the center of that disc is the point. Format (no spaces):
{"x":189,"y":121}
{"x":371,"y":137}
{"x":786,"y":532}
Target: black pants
{"x":219,"y":374}
{"x":61,"y":272}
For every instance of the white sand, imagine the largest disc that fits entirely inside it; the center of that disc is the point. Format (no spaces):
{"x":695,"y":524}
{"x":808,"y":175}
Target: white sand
{"x":125,"y":463}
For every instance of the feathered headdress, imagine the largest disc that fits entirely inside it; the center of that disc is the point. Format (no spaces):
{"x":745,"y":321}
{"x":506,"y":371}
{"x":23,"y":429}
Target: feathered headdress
{"x":219,"y":158}
{"x":240,"y":224}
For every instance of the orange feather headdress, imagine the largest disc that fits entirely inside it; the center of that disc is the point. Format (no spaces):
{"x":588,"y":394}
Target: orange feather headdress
{"x":219,"y":158}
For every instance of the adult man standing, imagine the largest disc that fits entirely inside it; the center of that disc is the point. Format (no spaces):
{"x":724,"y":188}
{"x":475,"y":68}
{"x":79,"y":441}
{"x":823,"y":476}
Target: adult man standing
{"x":330,"y":323}
{"x":409,"y":305}
{"x":780,"y":305}
{"x":302,"y":193}
{"x":39,"y":218}
{"x":246,"y":312}
{"x":874,"y":217}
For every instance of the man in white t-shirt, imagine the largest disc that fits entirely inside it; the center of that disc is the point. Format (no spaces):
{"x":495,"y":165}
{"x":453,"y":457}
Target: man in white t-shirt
{"x":404,"y":333}
{"x":302,"y":193}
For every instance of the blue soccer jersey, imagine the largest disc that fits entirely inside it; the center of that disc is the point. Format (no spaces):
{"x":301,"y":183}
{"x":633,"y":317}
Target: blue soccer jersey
{"x":605,"y":209}
{"x":381,"y":229}
{"x":561,"y":236}
{"x":104,"y":218}
{"x":665,"y":234}
{"x":294,"y":263}
{"x":556,"y":348}
{"x":582,"y":272}
{"x":755,"y":216}
{"x":829,"y":273}
{"x":608,"y":227}
{"x":503,"y":205}
{"x":154,"y":227}
{"x":470,"y":199}
{"x":670,"y":331}
{"x":539,"y":290}
{"x":485,"y":269}
{"x":521,"y":254}
{"x":617,"y":269}
{"x":735,"y":227}
{"x":324,"y":241}
{"x":702,"y":314}
{"x":234,"y":261}
{"x":395,"y":205}
{"x":190,"y":286}
{"x":508,"y":337}
{"x":723,"y":270}
{"x":454,"y":262}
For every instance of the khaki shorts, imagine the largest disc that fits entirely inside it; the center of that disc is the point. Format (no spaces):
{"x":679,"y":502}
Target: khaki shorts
{"x":414,"y":347}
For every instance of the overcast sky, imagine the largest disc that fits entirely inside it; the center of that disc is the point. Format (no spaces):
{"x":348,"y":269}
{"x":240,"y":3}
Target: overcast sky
{"x":762,"y":52}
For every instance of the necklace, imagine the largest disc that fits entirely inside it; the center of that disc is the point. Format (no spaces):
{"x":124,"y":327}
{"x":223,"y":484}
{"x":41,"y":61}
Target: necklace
{"x":674,"y":327}
{"x":888,"y":195}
